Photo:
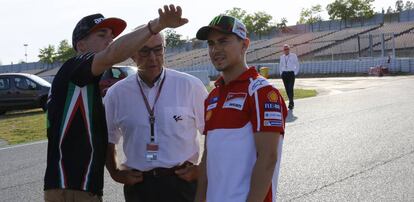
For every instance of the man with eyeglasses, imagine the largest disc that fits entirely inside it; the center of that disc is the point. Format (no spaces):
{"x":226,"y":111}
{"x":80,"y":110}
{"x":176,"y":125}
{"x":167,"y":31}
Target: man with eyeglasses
{"x":289,"y":69}
{"x":157,"y":112}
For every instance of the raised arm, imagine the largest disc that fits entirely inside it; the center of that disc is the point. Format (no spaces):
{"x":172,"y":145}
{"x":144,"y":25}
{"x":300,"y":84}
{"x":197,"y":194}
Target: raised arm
{"x":122,"y":48}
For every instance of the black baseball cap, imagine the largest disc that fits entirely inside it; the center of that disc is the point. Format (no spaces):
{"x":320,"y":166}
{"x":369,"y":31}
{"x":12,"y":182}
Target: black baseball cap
{"x":94,"y":22}
{"x":226,"y":24}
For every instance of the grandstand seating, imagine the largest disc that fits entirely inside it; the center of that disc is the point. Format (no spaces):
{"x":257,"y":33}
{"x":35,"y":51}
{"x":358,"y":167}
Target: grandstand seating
{"x":403,"y":41}
{"x":268,"y":50}
{"x":300,"y":45}
{"x":351,"y":45}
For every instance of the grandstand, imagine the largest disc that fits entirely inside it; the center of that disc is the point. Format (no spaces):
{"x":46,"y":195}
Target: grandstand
{"x":308,"y":46}
{"x":405,"y":40}
{"x":325,"y":47}
{"x":372,"y":39}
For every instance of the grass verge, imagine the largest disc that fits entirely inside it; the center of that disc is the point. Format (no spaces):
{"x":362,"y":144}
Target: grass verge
{"x":299,"y":93}
{"x":23,"y":126}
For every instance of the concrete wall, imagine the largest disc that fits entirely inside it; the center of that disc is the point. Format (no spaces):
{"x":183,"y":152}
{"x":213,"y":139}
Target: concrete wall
{"x":27,"y":67}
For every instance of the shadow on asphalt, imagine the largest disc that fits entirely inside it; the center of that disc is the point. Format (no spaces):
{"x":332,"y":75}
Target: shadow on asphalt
{"x":291,"y":117}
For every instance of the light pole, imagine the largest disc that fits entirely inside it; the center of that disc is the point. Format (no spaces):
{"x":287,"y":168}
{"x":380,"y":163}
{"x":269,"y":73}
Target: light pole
{"x":25,"y":50}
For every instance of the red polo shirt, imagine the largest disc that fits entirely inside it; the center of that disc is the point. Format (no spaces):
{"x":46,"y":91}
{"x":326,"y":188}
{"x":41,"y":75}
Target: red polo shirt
{"x":233,"y":113}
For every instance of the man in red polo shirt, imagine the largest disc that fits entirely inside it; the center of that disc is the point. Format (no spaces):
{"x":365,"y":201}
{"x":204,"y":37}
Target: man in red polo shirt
{"x":244,"y":122}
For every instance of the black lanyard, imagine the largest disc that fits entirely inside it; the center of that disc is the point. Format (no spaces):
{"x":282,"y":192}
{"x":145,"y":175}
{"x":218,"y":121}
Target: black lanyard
{"x":149,"y":109}
{"x":286,"y":60}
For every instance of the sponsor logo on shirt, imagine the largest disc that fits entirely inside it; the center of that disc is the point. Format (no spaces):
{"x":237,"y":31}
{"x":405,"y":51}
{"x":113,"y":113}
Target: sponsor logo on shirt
{"x":271,"y":106}
{"x":177,"y":118}
{"x":235,"y":100}
{"x":272,"y":96}
{"x":276,"y":123}
{"x":211,"y":106}
{"x":257,"y":84}
{"x":214,"y":100}
{"x":272,"y":115}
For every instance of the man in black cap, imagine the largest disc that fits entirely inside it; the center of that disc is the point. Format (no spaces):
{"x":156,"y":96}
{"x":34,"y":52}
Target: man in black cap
{"x":76,"y":127}
{"x":244,"y":122}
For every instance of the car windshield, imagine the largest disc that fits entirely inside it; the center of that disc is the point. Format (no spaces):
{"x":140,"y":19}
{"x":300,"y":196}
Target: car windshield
{"x":40,"y":80}
{"x":129,"y":70}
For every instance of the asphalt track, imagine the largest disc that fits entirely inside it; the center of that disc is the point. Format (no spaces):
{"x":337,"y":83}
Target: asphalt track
{"x":353,"y":142}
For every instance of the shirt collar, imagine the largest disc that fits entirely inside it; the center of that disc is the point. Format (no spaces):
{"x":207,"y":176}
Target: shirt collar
{"x":158,"y":79}
{"x":246,"y":75}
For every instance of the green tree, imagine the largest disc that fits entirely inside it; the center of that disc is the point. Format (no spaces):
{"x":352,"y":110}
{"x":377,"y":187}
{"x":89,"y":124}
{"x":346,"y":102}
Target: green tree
{"x":408,"y":5}
{"x":282,"y":24}
{"x":399,"y":6}
{"x":389,"y":10}
{"x":310,"y":15}
{"x":64,"y":51}
{"x":47,"y":54}
{"x":243,"y":16}
{"x":348,"y":9}
{"x":173,"y":39}
{"x":237,"y":13}
{"x":258,"y":23}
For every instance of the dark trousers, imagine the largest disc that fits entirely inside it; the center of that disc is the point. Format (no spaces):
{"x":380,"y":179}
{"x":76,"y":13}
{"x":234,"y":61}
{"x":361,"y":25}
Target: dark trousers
{"x":289,"y":82}
{"x":161,"y":189}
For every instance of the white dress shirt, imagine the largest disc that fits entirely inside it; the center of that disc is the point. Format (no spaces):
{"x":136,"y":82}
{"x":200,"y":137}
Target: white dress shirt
{"x":289,"y":62}
{"x":179,"y":113}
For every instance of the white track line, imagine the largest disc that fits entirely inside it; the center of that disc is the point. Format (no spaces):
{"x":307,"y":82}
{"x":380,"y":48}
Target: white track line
{"x":23,"y":145}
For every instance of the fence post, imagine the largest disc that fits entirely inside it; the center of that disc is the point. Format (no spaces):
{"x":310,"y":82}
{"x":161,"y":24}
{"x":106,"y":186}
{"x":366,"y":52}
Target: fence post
{"x":370,"y":45}
{"x":359,"y":46}
{"x":393,"y":45}
{"x":382,"y":45}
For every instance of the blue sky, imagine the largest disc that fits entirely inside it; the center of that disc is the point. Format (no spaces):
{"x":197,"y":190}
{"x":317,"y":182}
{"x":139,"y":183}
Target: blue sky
{"x":39,"y":23}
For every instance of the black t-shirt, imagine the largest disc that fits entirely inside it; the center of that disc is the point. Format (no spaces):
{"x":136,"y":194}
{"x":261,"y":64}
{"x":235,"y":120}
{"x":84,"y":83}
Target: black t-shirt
{"x":76,"y":129}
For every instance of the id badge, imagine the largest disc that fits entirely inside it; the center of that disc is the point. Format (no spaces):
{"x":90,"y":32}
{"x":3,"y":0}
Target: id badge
{"x":152,"y":152}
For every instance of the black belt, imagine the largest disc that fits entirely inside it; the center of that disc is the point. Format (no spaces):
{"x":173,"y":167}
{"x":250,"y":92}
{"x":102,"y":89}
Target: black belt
{"x":163,"y":172}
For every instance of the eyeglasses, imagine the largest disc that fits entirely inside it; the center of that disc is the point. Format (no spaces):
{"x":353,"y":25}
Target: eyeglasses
{"x":157,"y":50}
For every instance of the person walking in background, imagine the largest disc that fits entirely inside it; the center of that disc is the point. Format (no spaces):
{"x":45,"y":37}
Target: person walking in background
{"x":76,"y":126}
{"x":289,"y":69}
